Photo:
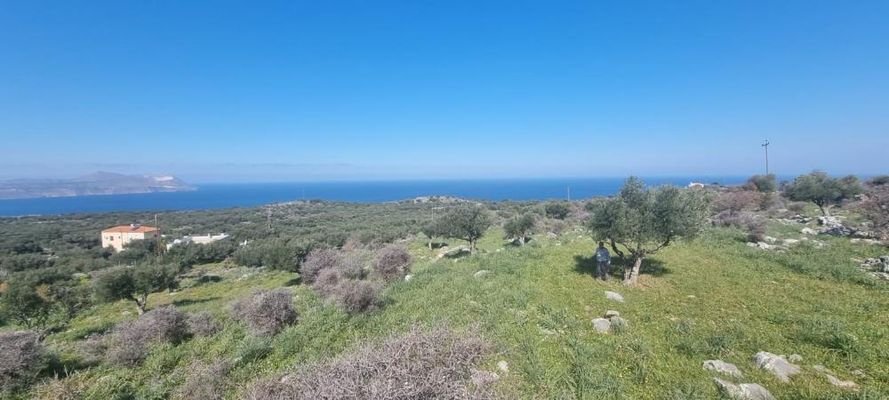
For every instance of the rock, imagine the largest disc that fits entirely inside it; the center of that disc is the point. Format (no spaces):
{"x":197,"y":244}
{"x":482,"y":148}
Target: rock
{"x":611,"y":313}
{"x":503,"y":365}
{"x":723,"y":367}
{"x":618,"y":324}
{"x":552,"y":235}
{"x":455,"y":252}
{"x":602,"y":325}
{"x":777,"y":365}
{"x":614,"y":296}
{"x":481,"y":274}
{"x":865,"y":241}
{"x":770,"y":239}
{"x":790,"y":242}
{"x":408,"y":277}
{"x":744,"y":391}
{"x":829,"y":221}
{"x":808,"y":231}
{"x":795,"y":358}
{"x":838,"y":230}
{"x":833,"y":380}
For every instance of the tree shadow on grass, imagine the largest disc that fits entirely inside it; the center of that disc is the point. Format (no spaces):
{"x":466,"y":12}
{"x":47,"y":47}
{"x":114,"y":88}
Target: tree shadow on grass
{"x":586,"y":265}
{"x":188,"y":302}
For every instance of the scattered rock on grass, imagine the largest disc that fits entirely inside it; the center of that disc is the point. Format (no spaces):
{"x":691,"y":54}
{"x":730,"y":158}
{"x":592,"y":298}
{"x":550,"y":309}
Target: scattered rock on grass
{"x":777,"y":365}
{"x":481,"y":274}
{"x":408,"y":277}
{"x":503,"y":366}
{"x":808,"y":231}
{"x":744,"y":391}
{"x":602,"y":325}
{"x":834,"y":380}
{"x":795,"y":358}
{"x":723,"y":367}
{"x":618,"y":324}
{"x":614,"y":296}
{"x":611,"y":313}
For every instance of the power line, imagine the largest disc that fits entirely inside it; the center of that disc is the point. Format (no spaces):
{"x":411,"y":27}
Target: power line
{"x":765,"y":145}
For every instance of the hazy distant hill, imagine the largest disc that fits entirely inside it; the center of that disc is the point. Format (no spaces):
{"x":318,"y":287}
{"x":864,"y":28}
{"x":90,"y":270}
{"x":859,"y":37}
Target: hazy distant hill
{"x":98,"y":183}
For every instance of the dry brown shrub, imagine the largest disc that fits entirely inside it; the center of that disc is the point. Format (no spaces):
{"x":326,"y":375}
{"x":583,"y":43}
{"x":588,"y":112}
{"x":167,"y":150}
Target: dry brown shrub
{"x":266,"y":312}
{"x":393,"y":262}
{"x":421,"y":364}
{"x":205,"y":381}
{"x":131,"y":340}
{"x":21,"y":358}
{"x":203,"y":324}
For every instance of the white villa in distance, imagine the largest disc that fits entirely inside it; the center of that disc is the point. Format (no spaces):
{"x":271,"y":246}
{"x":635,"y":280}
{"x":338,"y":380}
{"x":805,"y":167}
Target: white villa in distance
{"x":198,"y":239}
{"x":119,"y":236}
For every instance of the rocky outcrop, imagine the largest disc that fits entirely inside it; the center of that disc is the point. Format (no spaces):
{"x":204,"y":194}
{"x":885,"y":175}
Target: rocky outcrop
{"x":744,"y":391}
{"x":723,"y":367}
{"x":777,"y":365}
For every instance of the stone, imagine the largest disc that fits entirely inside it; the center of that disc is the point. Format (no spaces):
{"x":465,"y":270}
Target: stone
{"x":808,"y":231}
{"x":833,"y":380}
{"x":723,"y":367}
{"x":744,"y":391}
{"x":770,"y":239}
{"x":481,"y":274}
{"x":455,"y":252}
{"x":552,"y":235}
{"x":614,"y":296}
{"x":790,"y":242}
{"x":503,"y":365}
{"x":795,"y":358}
{"x":618,"y":324}
{"x":611,"y":313}
{"x":408,"y":277}
{"x":777,"y":365}
{"x":829,"y":221}
{"x":602,"y":325}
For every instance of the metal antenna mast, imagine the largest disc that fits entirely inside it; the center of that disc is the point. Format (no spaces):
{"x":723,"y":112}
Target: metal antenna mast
{"x":765,"y":145}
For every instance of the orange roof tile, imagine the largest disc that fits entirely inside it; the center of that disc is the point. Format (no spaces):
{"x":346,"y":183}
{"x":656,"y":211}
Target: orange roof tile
{"x":130,"y":228}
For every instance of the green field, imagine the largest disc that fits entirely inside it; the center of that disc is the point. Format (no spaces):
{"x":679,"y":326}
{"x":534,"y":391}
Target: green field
{"x":714,"y":298}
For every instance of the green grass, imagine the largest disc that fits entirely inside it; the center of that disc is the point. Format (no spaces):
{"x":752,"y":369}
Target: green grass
{"x":712,"y":298}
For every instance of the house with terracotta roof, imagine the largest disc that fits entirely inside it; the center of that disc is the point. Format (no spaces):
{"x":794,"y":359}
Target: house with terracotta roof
{"x":119,"y":236}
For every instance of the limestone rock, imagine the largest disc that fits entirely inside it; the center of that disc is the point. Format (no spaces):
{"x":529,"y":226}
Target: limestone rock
{"x":503,"y":365}
{"x":808,"y":231}
{"x":614,"y":296}
{"x":611,"y":313}
{"x":833,"y":380}
{"x":602,"y":325}
{"x":723,"y":367}
{"x":777,"y":365}
{"x":744,"y":391}
{"x":481,"y":274}
{"x":795,"y":358}
{"x":618,"y":324}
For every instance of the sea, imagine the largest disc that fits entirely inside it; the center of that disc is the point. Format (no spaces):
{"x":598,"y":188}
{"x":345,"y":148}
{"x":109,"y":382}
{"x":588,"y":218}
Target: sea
{"x":230,"y":195}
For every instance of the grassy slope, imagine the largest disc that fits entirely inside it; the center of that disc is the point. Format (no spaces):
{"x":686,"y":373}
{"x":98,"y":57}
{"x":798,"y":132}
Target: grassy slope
{"x":536,"y":307}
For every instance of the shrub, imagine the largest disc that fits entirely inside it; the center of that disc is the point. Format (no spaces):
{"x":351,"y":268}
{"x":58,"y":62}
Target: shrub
{"x":735,"y":202}
{"x":557,"y":210}
{"x":130,"y":341}
{"x":519,"y":228}
{"x":317,"y":260}
{"x":393,"y":262}
{"x":421,"y":364}
{"x":763,"y":183}
{"x":327,"y":281}
{"x":266,"y":312}
{"x":879,"y":180}
{"x":21,"y":358}
{"x":357,"y":296}
{"x":93,"y":349}
{"x":821,"y":189}
{"x":203,"y":324}
{"x":875,"y":207}
{"x":205,"y":381}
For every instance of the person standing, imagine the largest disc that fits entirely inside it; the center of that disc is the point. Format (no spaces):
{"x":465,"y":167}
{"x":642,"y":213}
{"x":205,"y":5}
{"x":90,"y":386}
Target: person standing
{"x":603,"y":262}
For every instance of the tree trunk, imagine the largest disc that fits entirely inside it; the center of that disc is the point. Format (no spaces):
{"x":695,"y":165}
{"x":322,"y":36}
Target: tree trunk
{"x":140,"y":305}
{"x":616,"y":250}
{"x":430,"y":243}
{"x":522,"y":240}
{"x":631,"y":275}
{"x":825,"y":211}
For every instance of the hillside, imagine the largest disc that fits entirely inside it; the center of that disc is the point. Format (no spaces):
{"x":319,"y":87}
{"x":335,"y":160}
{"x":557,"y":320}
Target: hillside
{"x":99,"y":183}
{"x":712,"y":299}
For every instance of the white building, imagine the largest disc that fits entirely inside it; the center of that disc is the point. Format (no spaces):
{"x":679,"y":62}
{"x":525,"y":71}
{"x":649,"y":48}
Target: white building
{"x":198,"y":239}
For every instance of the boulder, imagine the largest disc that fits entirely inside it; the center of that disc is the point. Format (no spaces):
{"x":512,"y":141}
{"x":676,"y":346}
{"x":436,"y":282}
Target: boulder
{"x":790,"y":242}
{"x":602,"y":325}
{"x":408,"y":277}
{"x":808,"y":231}
{"x":829,"y":221}
{"x":744,"y":391}
{"x":611,"y":313}
{"x":455,"y":252}
{"x":614,"y":296}
{"x":503,"y":366}
{"x":777,"y":365}
{"x":795,"y":358}
{"x":723,"y":367}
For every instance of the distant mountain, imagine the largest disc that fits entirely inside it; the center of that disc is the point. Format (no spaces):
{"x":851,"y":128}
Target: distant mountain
{"x":98,"y":183}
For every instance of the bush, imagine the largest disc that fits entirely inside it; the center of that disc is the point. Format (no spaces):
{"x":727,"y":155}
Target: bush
{"x":205,"y":381}
{"x":327,"y":281}
{"x":393,"y":262}
{"x":203,"y":324}
{"x":266,"y":312}
{"x":422,"y":364}
{"x":21,"y":358}
{"x":92,"y":349}
{"x":357,"y":296}
{"x":317,"y":260}
{"x":130,"y":340}
{"x":557,"y":210}
{"x":763,"y":183}
{"x":737,"y":201}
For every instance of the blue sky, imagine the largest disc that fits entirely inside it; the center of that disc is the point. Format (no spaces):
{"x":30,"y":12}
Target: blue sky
{"x":298,"y":90}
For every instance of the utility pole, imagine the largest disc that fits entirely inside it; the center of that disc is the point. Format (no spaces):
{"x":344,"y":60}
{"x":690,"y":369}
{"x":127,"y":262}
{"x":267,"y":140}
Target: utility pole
{"x":765,"y":145}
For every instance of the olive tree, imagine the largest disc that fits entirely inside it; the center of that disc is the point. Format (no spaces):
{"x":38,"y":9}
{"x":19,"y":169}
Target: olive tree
{"x":135,"y":283}
{"x":821,"y":189}
{"x":27,"y":305}
{"x":466,"y":222}
{"x":519,"y":228}
{"x":763,"y":183}
{"x":645,"y":221}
